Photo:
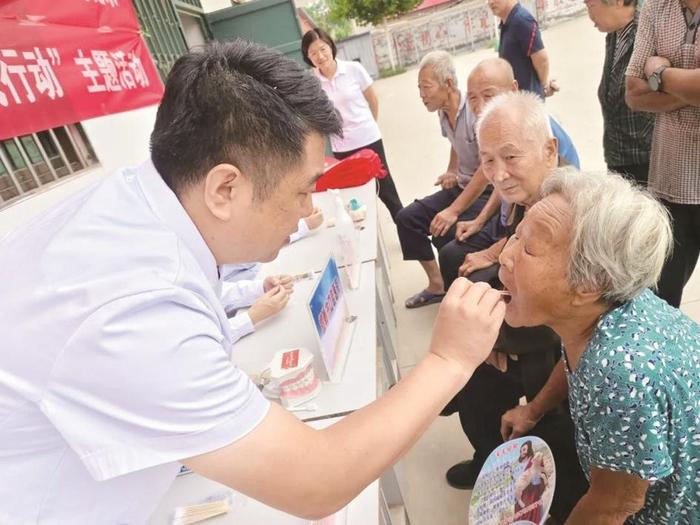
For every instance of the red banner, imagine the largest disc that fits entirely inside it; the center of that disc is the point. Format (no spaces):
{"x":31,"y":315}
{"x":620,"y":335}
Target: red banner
{"x":63,"y":61}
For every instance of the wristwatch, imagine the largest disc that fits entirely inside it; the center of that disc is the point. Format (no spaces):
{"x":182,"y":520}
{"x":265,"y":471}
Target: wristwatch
{"x":654,"y":80}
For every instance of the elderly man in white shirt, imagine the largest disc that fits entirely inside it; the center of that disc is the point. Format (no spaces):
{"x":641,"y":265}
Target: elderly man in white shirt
{"x":115,"y":364}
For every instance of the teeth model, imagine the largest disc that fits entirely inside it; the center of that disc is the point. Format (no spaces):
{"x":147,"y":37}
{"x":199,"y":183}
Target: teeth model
{"x":292,"y":377}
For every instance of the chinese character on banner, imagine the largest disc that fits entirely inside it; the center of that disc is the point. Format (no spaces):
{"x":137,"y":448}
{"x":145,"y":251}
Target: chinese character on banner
{"x":109,"y":3}
{"x":90,"y":73}
{"x":107,"y":69}
{"x":111,"y":71}
{"x":29,"y":71}
{"x":71,"y":61}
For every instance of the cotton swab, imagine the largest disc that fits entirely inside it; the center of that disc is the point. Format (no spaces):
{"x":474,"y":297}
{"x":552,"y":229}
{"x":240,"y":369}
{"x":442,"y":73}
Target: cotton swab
{"x":196,"y":513}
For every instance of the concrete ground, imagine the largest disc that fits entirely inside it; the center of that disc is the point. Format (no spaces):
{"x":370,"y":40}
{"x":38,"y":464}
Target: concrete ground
{"x":417,"y":154}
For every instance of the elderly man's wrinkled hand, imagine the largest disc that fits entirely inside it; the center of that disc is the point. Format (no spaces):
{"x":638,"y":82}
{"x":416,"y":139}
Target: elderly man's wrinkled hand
{"x":447,"y":180}
{"x":477,"y":261}
{"x":467,"y":324}
{"x":442,"y":222}
{"x":517,"y":422}
{"x":654,"y":63}
{"x":466,"y":229}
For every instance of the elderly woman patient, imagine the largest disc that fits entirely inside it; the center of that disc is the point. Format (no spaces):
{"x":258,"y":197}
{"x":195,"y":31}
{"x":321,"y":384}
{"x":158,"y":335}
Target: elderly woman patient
{"x":582,"y":262}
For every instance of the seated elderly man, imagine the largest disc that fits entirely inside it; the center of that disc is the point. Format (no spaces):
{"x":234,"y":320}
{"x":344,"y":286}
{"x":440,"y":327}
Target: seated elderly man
{"x":462,"y":194}
{"x":518,"y":152}
{"x":467,"y":253}
{"x":582,"y":262}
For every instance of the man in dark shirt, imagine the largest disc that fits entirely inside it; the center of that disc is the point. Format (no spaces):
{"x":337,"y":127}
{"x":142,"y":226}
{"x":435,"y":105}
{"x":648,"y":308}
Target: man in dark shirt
{"x":627,"y":133}
{"x":521,"y":45}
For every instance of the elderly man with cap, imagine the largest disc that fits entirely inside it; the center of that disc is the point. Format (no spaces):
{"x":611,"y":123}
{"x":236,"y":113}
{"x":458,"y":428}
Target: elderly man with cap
{"x":518,"y":152}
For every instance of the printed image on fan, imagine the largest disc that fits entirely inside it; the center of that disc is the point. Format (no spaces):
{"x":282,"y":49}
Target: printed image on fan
{"x":515,"y":485}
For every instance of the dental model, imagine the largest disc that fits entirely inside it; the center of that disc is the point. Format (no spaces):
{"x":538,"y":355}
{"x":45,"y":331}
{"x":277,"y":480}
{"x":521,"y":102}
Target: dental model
{"x":292,"y":377}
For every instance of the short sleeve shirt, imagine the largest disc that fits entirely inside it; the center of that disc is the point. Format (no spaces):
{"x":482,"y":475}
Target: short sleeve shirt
{"x":463,"y":140}
{"x":115,"y":361}
{"x":520,"y":38}
{"x":674,"y":166}
{"x":634,"y":399}
{"x":346,"y":91}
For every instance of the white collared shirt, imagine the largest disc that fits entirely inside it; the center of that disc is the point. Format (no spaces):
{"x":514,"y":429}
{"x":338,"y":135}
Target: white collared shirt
{"x":238,"y":292}
{"x":115,"y":360}
{"x":346,"y":91}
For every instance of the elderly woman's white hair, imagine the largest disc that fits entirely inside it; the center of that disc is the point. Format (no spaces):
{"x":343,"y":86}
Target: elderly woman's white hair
{"x":526,"y":107}
{"x":620,"y":234}
{"x":442,"y":65}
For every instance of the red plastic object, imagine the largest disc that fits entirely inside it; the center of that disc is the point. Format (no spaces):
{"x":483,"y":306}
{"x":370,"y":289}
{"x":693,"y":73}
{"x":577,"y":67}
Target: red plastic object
{"x":354,"y":170}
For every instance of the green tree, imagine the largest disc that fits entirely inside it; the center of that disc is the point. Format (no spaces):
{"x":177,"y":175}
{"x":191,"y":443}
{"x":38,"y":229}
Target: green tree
{"x":374,"y":12}
{"x":327,"y":19}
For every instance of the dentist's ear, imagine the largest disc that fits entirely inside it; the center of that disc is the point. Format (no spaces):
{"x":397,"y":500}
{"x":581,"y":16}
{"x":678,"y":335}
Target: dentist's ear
{"x":220,"y":189}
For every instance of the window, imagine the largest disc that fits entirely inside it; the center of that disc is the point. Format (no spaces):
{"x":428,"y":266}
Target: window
{"x":31,"y":161}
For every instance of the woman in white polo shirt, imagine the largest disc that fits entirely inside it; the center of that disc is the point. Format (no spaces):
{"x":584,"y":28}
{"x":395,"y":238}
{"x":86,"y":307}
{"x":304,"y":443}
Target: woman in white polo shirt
{"x":349,"y":87}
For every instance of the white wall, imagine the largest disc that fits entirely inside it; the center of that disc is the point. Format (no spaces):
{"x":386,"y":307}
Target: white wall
{"x":121,"y":139}
{"x":118,"y":140}
{"x":193,"y":31}
{"x":214,"y":5}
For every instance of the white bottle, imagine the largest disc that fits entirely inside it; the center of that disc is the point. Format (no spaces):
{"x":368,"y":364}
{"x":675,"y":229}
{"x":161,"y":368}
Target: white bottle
{"x":349,"y":242}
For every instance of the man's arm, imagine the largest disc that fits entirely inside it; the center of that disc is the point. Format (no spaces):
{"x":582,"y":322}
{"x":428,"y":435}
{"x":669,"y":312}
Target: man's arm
{"x":521,"y":419}
{"x":372,"y":100}
{"x":239,"y":294}
{"x":471,"y":192}
{"x":311,"y":473}
{"x":482,"y":259}
{"x":449,"y":178}
{"x":466,"y":229}
{"x":443,"y":221}
{"x":540,"y":61}
{"x":684,"y":84}
{"x":612,"y":498}
{"x":640,"y":97}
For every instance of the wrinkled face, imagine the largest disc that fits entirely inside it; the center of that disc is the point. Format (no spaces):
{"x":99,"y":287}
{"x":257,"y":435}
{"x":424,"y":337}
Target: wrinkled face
{"x":320,"y":53}
{"x":433,"y":94}
{"x":481,"y":89}
{"x":514,"y":163}
{"x":602,"y":15}
{"x":534,"y":265}
{"x":259,"y":229}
